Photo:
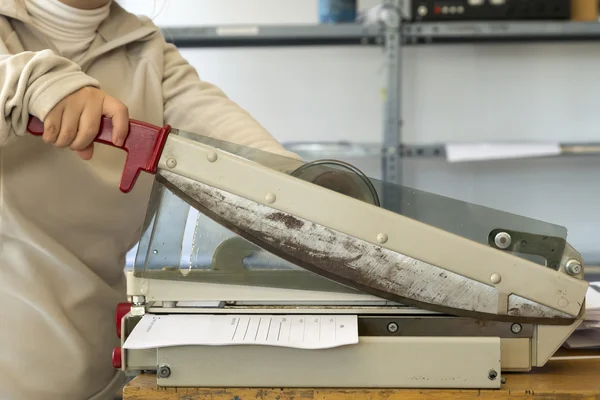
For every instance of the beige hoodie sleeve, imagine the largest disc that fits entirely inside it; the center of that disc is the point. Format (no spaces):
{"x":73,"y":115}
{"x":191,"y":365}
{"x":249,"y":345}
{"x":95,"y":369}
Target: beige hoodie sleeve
{"x":32,"y":83}
{"x":200,"y":107}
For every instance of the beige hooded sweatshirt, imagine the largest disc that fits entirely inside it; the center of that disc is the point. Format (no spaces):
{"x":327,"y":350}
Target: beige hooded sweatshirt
{"x":64,"y":225}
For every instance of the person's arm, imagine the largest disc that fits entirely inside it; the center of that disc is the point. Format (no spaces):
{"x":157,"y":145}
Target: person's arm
{"x":200,"y":107}
{"x":55,"y":90}
{"x":32,"y":83}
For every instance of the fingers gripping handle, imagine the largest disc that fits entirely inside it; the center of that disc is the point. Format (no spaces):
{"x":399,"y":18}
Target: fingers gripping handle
{"x":144,"y":145}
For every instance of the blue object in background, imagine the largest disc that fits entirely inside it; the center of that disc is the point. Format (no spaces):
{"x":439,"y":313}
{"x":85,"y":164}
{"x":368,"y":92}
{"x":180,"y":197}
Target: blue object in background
{"x":336,"y":11}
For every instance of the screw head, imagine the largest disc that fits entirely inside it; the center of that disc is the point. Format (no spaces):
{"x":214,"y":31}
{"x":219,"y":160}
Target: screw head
{"x":502,"y":240}
{"x":171,"y":163}
{"x":516,"y":328}
{"x":573,"y":267}
{"x":164,"y":371}
{"x":492,"y":375}
{"x":392,"y":327}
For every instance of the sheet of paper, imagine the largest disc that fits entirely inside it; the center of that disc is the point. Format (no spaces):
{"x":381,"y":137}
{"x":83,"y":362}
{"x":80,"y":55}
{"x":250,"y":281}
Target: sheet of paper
{"x":463,"y":152}
{"x":298,"y":331}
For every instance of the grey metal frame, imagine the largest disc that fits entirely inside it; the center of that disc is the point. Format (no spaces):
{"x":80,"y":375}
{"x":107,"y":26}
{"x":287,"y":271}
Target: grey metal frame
{"x":439,"y":150}
{"x":392,"y":136}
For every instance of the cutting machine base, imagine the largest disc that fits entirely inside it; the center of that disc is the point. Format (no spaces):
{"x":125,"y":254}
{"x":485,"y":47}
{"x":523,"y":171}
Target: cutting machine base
{"x":445,"y":294}
{"x":399,"y":347}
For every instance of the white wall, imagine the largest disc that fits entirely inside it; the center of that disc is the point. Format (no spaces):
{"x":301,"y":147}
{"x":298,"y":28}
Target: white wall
{"x":450,"y":93}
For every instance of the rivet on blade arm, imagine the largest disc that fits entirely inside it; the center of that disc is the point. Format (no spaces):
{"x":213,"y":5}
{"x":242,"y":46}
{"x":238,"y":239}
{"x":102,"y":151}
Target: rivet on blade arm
{"x":495,"y":278}
{"x":212,"y":156}
{"x":270,"y":198}
{"x":171,"y":163}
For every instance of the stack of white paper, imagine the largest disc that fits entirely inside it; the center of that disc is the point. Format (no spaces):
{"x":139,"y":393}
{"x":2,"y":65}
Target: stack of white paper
{"x":587,"y":334}
{"x":298,"y":331}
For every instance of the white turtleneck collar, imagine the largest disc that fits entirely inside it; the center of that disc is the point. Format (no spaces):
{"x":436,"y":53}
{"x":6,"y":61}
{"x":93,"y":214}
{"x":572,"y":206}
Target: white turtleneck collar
{"x":70,"y":29}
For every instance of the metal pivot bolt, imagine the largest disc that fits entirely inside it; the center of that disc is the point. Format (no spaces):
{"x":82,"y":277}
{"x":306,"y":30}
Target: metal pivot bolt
{"x":164,"y":371}
{"x":392,"y":327}
{"x":502,"y":240}
{"x":573,"y":267}
{"x":492,"y":374}
{"x":516,"y":328}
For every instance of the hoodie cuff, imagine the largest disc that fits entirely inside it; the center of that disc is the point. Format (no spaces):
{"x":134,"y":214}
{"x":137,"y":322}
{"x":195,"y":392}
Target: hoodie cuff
{"x":51,"y":92}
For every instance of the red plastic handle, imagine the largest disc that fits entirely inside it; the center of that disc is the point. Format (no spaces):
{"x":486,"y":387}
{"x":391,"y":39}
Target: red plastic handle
{"x":144,"y":145}
{"x":117,"y":355}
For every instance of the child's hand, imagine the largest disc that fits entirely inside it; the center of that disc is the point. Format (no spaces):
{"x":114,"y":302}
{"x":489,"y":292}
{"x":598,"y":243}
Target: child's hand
{"x":75,"y":121}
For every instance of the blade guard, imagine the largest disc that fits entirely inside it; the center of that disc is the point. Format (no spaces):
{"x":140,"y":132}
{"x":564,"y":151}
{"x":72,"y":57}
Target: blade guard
{"x":144,"y":145}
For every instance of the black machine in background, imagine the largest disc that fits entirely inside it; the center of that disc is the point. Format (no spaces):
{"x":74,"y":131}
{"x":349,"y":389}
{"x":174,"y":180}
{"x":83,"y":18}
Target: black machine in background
{"x":489,"y":10}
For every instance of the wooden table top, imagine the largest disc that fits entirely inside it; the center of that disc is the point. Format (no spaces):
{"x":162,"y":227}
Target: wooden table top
{"x":568,"y":376}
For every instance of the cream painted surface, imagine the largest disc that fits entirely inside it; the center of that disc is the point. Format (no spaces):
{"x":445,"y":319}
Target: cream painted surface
{"x":550,"y":338}
{"x":516,"y":354}
{"x":375,"y":362}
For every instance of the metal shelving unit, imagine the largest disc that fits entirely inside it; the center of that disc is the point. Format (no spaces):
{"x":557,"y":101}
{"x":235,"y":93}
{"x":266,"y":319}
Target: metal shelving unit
{"x":393,"y":34}
{"x":468,"y":32}
{"x":386,"y":33}
{"x":274,"y":35}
